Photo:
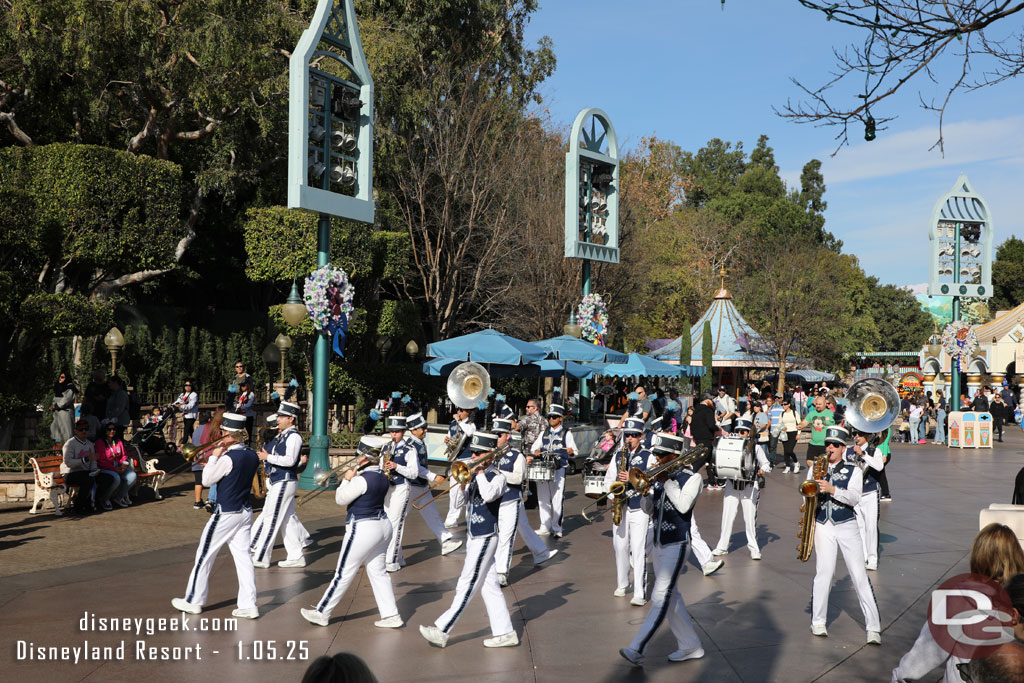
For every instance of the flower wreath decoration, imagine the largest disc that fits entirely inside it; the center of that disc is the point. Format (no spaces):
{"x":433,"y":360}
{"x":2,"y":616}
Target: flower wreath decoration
{"x":959,"y":341}
{"x":328,"y":296}
{"x":593,"y":318}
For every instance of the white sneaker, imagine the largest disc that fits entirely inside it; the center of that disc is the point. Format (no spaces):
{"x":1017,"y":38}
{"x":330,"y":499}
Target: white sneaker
{"x":787,"y":470}
{"x":638,"y":601}
{"x":545,"y":556}
{"x":874,"y":638}
{"x":543,"y":531}
{"x":755,"y":556}
{"x":260,"y":565}
{"x":393,"y":567}
{"x":557,"y":534}
{"x":450,"y":546}
{"x":390,"y":622}
{"x":683,"y":655}
{"x":632,"y":656}
{"x":502,"y":580}
{"x":871,"y":566}
{"x":314,"y":616}
{"x":183,"y":605}
{"x":504,"y":640}
{"x":620,"y":592}
{"x":711,"y":567}
{"x":450,"y":526}
{"x":434,"y":635}
{"x":719,"y":551}
{"x":301,"y":562}
{"x":247,"y":613}
{"x":796,"y":470}
{"x":819,"y":630}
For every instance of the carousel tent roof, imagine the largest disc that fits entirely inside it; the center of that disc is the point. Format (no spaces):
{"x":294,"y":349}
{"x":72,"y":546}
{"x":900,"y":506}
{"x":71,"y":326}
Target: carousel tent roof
{"x":997,"y":328}
{"x":733,"y":340}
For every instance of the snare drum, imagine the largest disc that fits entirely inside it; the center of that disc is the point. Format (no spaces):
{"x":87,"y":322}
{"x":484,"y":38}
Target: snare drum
{"x":540,"y":471}
{"x":593,"y":485}
{"x":732,"y":461}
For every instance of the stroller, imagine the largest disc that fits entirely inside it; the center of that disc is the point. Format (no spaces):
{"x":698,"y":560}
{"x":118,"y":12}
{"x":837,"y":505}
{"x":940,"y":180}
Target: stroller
{"x":149,"y":439}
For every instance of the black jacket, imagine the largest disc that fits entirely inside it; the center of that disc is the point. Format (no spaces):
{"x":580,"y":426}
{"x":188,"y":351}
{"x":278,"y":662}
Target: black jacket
{"x":703,"y":426}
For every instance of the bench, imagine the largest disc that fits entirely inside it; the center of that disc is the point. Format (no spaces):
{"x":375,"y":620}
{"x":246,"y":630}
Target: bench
{"x":49,"y":482}
{"x":152,"y":475}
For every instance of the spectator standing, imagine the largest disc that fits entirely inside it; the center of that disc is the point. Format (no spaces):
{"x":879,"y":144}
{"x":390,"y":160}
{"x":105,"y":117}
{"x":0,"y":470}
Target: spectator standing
{"x":940,"y":417}
{"x":189,"y":402}
{"x":1000,"y":415}
{"x":703,"y":430}
{"x":92,"y":420}
{"x":725,"y":410}
{"x":980,"y":402}
{"x":96,"y":394}
{"x":762,"y":424}
{"x":788,"y":428}
{"x":1008,"y":398}
{"x":63,"y":408}
{"x":200,"y":463}
{"x":774,"y":410}
{"x":117,"y":405}
{"x":818,"y":418}
{"x":244,"y":405}
{"x":916,"y":413}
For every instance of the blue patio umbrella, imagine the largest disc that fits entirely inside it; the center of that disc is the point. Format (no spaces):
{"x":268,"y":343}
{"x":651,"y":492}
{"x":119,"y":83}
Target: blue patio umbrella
{"x":566,"y":347}
{"x":645,"y":366}
{"x":441,"y":367}
{"x":487,"y":346}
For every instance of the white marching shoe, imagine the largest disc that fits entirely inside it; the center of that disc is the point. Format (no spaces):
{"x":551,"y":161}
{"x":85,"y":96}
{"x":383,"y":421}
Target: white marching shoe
{"x":819,"y":630}
{"x":450,"y":546}
{"x":544,"y":556}
{"x":314,"y":616}
{"x":620,"y":592}
{"x":711,"y":567}
{"x":301,"y":562}
{"x":434,"y":635}
{"x":504,"y":640}
{"x":247,"y":613}
{"x":632,"y":656}
{"x":874,"y":638}
{"x":683,"y":655}
{"x":502,"y":580}
{"x":390,"y":622}
{"x":183,"y":605}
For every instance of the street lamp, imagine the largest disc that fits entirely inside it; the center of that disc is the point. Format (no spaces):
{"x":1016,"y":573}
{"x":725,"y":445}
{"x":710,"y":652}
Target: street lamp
{"x":293,"y":310}
{"x":114,"y":341}
{"x":271,"y":356}
{"x":384,"y":346}
{"x":572,"y":328}
{"x":412,"y":348}
{"x":283,"y":343}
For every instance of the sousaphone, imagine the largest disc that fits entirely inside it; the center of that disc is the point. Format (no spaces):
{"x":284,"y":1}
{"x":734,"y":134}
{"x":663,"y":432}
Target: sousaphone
{"x":468,"y":384}
{"x":872,"y":405}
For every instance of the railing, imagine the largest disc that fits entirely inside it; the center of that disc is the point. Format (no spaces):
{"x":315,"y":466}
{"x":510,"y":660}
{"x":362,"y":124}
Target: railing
{"x":18,"y":461}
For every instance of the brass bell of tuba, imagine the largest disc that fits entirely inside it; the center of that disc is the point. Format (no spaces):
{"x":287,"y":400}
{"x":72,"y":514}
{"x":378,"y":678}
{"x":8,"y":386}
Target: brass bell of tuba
{"x":872,"y":405}
{"x":468,"y":384}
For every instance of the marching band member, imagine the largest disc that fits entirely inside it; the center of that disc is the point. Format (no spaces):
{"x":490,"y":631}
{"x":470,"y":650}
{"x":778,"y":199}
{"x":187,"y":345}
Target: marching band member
{"x":367,"y":532}
{"x":554,"y":439}
{"x":400,"y":469}
{"x":840,"y":491}
{"x":743,"y":494}
{"x":871,"y":462}
{"x":511,"y":514}
{"x":630,"y":537}
{"x":461,"y":422}
{"x":267,"y":435}
{"x":673,"y":501}
{"x":430,"y":514}
{"x":233,"y":470}
{"x":282,"y":461}
{"x":483,"y":496}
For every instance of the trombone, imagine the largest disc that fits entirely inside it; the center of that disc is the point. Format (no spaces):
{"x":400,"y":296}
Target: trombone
{"x":324,"y":478}
{"x":462,"y":472}
{"x":191,"y":452}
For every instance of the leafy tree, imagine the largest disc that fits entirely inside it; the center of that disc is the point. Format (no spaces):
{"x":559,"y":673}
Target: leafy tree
{"x":706,"y":357}
{"x":712,"y":172}
{"x":685,"y":345}
{"x":1008,"y":275}
{"x":903,"y":325}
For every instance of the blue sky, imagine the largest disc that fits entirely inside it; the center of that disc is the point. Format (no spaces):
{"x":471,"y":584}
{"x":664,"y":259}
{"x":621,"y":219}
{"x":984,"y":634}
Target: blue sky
{"x":689,"y":71}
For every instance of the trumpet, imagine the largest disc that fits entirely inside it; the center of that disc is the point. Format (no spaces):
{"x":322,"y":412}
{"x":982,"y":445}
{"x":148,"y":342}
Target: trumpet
{"x":462,"y":472}
{"x":324,"y":478}
{"x":640,"y":481}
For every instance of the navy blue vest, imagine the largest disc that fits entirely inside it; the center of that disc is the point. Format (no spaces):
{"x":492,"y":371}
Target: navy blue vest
{"x":556,"y":442}
{"x":233,"y":490}
{"x":398,"y":451}
{"x":639,"y":460}
{"x":870,"y":474}
{"x":482,"y":516}
{"x":370,"y":505}
{"x":279,"y":446}
{"x":671,"y":526}
{"x":454,"y":430}
{"x":507,"y":463}
{"x":421,"y":458}
{"x":838,"y":475}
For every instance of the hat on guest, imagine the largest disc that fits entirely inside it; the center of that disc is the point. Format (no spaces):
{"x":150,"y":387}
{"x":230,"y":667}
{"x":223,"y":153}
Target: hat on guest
{"x":633,"y":425}
{"x":396,"y":423}
{"x":500,"y":426}
{"x":555,"y":410}
{"x":483,"y":442}
{"x":232,"y":422}
{"x":415,"y":421}
{"x":837,"y":434}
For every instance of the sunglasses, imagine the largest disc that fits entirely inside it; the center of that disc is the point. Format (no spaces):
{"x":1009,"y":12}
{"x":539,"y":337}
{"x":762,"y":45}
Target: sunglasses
{"x":188,"y":385}
{"x":83,"y":428}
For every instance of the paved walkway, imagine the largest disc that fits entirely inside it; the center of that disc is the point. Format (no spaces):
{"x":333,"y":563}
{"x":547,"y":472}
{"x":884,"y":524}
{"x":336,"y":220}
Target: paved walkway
{"x":753,"y":617}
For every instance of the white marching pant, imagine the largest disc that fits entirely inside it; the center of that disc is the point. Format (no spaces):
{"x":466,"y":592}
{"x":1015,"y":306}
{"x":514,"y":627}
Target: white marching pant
{"x":529,"y":536}
{"x":666,"y":601}
{"x":430,"y":514}
{"x":364,"y":543}
{"x":396,"y":506}
{"x":278,"y":511}
{"x":293,"y":521}
{"x":232,"y":528}
{"x":456,"y":503}
{"x":549,"y":502}
{"x":701,"y":550}
{"x":867,"y":522}
{"x":747,"y":499}
{"x":828,"y":540}
{"x":479,"y":574}
{"x":630,"y":540}
{"x":512,"y":523}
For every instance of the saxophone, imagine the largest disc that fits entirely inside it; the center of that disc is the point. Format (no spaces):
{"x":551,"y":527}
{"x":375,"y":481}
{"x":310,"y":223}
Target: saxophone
{"x":809,"y":490}
{"x":619,"y":499}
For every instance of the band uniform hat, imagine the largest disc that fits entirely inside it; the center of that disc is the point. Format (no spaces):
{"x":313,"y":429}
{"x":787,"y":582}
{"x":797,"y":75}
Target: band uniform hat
{"x":289,"y":409}
{"x":837,"y":434}
{"x":667,"y":443}
{"x":232,"y":422}
{"x":500,"y":426}
{"x":656,"y":424}
{"x":506,"y":413}
{"x":396,"y":423}
{"x":415,"y":421}
{"x":483,"y":442}
{"x":742,"y":425}
{"x":633,"y":425}
{"x":555,"y":410}
{"x":272,"y":419}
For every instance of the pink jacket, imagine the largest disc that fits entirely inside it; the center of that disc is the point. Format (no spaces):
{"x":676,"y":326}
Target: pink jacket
{"x":110,"y":457}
